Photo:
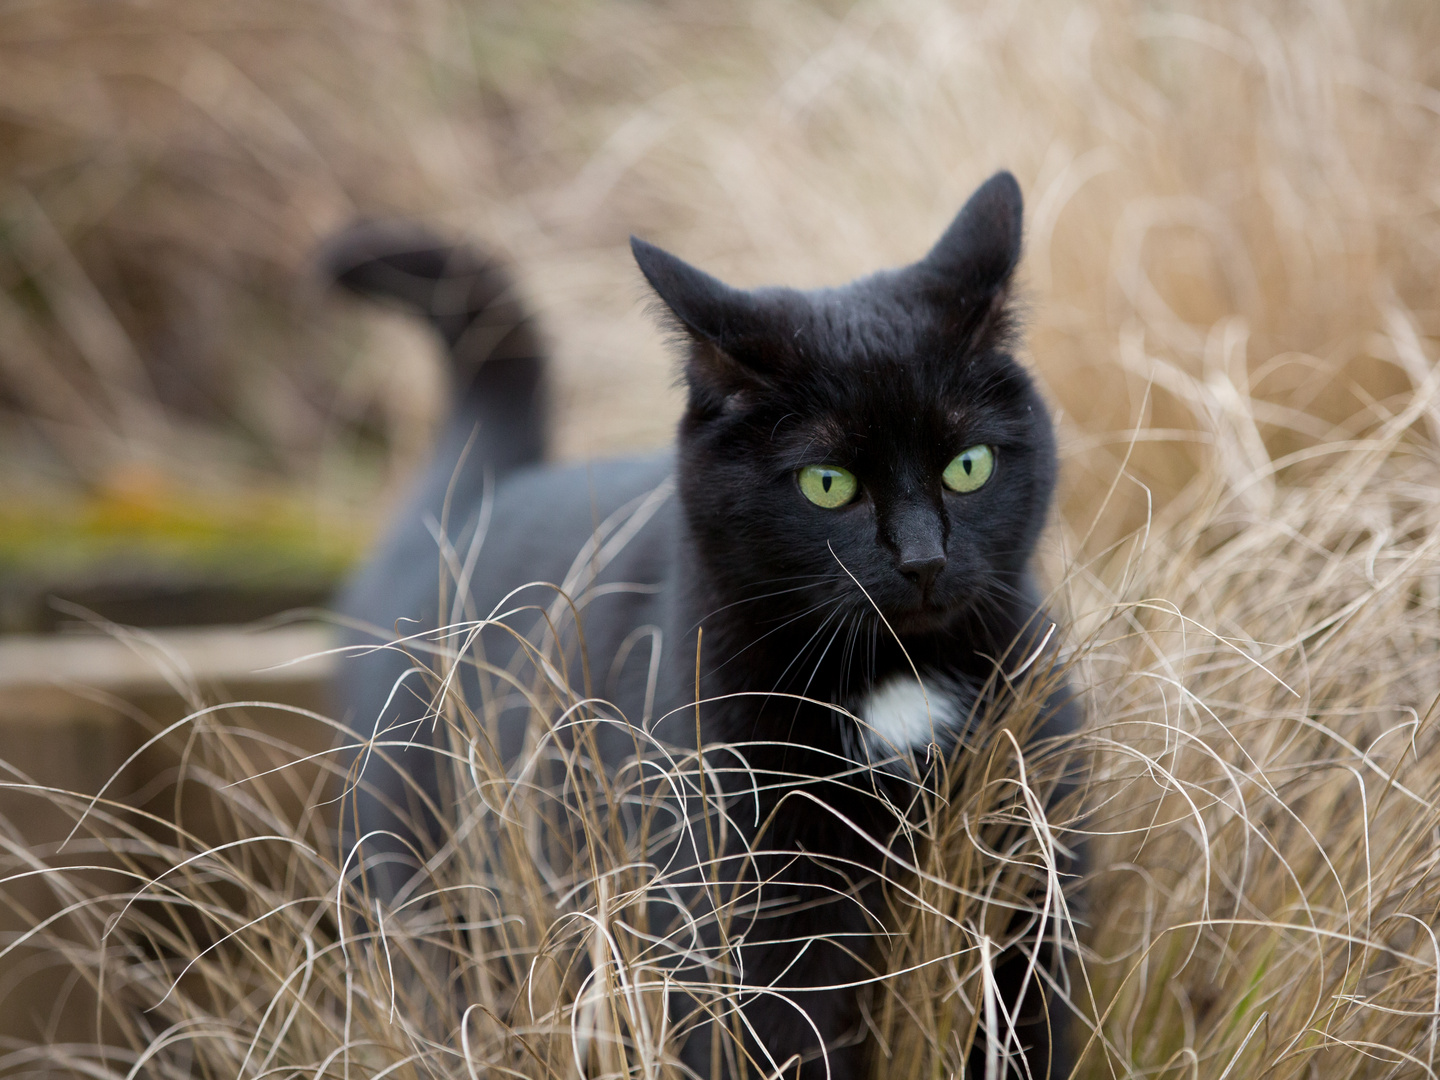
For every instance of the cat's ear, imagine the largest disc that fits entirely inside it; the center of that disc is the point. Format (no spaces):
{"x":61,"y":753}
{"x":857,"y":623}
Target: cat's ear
{"x":728,"y":326}
{"x":710,"y":310}
{"x":980,"y":249}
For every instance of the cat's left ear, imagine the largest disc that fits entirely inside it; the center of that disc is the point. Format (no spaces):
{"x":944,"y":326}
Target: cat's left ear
{"x":981,"y":248}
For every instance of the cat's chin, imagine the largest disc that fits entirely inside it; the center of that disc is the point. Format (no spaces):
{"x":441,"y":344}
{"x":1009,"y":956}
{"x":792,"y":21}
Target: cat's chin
{"x":926,"y":619}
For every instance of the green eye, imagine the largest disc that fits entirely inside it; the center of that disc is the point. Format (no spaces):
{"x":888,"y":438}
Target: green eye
{"x":969,"y":470}
{"x":827,"y":486}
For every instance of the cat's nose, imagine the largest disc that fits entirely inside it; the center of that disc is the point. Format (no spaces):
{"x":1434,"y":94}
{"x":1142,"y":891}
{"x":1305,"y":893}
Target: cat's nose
{"x":922,"y":567}
{"x":919,"y":539}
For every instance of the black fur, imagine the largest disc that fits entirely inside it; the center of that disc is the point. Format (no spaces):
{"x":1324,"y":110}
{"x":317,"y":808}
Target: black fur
{"x":888,"y":377}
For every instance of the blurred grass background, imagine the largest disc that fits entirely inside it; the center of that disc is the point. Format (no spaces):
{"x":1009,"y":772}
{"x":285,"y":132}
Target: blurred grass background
{"x":1212,"y":187}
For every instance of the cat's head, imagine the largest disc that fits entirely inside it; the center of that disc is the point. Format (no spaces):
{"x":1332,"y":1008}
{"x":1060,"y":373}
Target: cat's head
{"x":875,"y":445}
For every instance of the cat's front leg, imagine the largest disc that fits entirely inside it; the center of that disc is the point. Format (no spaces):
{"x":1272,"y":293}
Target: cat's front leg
{"x":797,"y":959}
{"x":808,"y":965}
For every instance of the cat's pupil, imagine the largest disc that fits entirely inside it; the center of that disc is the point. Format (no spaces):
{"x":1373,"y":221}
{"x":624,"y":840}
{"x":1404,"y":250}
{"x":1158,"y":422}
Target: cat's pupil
{"x":825,"y":481}
{"x":966,"y":464}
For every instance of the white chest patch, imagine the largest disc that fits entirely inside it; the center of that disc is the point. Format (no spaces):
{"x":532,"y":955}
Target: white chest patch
{"x":903,"y":714}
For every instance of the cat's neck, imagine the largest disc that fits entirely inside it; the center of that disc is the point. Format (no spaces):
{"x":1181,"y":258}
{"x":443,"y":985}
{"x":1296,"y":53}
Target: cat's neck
{"x":782,"y":651}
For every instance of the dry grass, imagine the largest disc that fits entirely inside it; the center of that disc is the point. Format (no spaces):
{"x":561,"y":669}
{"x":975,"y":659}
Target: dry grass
{"x":1266,"y":788}
{"x":221,"y":931}
{"x":1233,"y":245}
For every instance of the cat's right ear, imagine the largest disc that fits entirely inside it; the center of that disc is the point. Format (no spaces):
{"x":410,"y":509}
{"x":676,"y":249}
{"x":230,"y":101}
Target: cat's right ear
{"x":727,"y":326}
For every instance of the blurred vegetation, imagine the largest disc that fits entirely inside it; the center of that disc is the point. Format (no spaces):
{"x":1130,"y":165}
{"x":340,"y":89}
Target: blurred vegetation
{"x":167,"y":167}
{"x":146,"y":554}
{"x":171,"y":392}
{"x":173,"y":385}
{"x":1233,"y":240}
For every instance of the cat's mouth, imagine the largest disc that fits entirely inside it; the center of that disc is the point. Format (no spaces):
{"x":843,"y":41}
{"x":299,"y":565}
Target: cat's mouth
{"x":926,"y":617}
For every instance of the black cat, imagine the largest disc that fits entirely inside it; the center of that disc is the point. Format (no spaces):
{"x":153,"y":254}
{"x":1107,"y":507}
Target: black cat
{"x":859,"y":482}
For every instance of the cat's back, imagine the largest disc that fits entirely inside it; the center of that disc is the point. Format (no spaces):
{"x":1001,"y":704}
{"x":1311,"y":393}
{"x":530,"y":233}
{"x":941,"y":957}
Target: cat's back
{"x":578,"y":533}
{"x":537,"y":548}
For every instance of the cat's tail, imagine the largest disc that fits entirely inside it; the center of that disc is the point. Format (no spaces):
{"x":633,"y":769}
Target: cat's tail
{"x":496,"y":352}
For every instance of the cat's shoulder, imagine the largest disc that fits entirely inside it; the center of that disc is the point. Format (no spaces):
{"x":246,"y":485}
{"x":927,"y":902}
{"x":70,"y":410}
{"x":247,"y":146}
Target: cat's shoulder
{"x":531,"y":525}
